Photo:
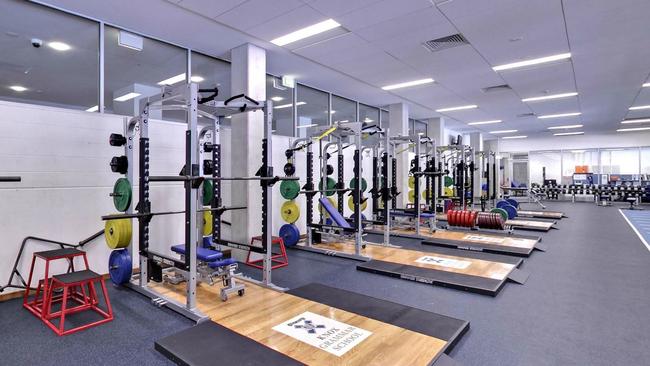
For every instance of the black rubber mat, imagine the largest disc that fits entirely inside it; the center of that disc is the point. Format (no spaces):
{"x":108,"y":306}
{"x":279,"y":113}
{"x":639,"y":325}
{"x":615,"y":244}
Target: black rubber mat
{"x":482,"y":285}
{"x":209,"y":344}
{"x":435,"y":325}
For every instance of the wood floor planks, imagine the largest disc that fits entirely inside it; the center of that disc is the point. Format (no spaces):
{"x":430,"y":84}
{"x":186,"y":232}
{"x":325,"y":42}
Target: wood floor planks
{"x":260,"y":309}
{"x":478,"y":238}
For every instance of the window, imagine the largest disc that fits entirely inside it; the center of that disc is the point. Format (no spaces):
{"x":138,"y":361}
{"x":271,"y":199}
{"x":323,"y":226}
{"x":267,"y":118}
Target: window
{"x":545,"y":165}
{"x":343,"y":110}
{"x":621,"y":164}
{"x":63,"y":71}
{"x":420,"y":127}
{"x":645,"y":162}
{"x":368,"y":114}
{"x":312,"y":109}
{"x":385,"y":119}
{"x":282,"y":98}
{"x":136,"y":67}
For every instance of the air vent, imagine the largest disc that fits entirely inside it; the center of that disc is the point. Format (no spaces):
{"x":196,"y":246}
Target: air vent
{"x":496,"y":88}
{"x":443,"y":43}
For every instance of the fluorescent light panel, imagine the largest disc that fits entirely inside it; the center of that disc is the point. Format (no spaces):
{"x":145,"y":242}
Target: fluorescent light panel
{"x":288,"y":105}
{"x":564,"y":127}
{"x":646,"y":85}
{"x":408,"y":83}
{"x":637,"y":120}
{"x":459,"y":108}
{"x":485,"y":122}
{"x":303,"y":33}
{"x":503,"y":131}
{"x":126,"y":97}
{"x":93,"y":109}
{"x":547,"y":97}
{"x":277,"y":99}
{"x":633,"y":129}
{"x":546,"y":116}
{"x":59,"y":46}
{"x":309,"y":125}
{"x":568,"y":133}
{"x":578,"y":151}
{"x":531,"y":62}
{"x":514,"y":137}
{"x":18,"y":88}
{"x":636,"y":108}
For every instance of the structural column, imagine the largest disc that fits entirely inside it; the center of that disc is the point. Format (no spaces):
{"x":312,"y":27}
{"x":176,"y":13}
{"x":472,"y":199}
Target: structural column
{"x":399,"y":126}
{"x":248,"y":76}
{"x":436,"y":130}
{"x":476,"y":143}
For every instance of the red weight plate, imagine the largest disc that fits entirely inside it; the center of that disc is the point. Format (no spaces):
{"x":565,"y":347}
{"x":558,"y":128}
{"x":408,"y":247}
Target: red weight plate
{"x":450,"y":217}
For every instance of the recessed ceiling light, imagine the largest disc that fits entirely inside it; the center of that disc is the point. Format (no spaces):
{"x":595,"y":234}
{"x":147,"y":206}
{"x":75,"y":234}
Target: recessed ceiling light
{"x":460,"y":108}
{"x":309,"y":125}
{"x":408,"y":83}
{"x":93,"y":109}
{"x":18,"y":88}
{"x":646,"y":85}
{"x":578,"y":151}
{"x":514,"y":137}
{"x":531,"y":62}
{"x":196,"y":79}
{"x":288,"y":105}
{"x":547,"y":97}
{"x":126,"y":97}
{"x":173,"y":80}
{"x":277,"y":99}
{"x":59,"y":46}
{"x":633,"y":129}
{"x":559,"y":115}
{"x":637,"y":120}
{"x":485,"y":122}
{"x":228,"y":117}
{"x":564,"y":127}
{"x":568,"y":133}
{"x":636,"y":108}
{"x":503,"y":131}
{"x":368,"y":120}
{"x":312,"y":30}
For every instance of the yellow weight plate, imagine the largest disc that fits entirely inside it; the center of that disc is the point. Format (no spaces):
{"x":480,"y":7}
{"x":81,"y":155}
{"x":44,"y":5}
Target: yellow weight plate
{"x":411,"y":182}
{"x":363,"y":207}
{"x":424,"y":195}
{"x":118,"y":233}
{"x":449,"y":192}
{"x":207,"y":223}
{"x":411,"y":196}
{"x":334,"y":204}
{"x":290,"y":212}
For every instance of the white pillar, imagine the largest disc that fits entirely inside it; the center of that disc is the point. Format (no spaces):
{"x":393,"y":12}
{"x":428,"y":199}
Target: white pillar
{"x":436,"y":130}
{"x":248,"y":76}
{"x":476,"y":143}
{"x":399,"y":125}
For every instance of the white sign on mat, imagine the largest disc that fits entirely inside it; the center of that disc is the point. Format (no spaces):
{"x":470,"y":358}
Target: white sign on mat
{"x":324,"y":333}
{"x":444,"y":262}
{"x":485,"y":239}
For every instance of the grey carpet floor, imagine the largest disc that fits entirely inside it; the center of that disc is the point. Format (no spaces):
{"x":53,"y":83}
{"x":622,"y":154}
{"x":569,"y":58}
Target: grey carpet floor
{"x":587,"y":302}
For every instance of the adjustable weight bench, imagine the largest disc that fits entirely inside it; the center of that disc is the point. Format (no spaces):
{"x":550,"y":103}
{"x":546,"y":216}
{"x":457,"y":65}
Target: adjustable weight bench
{"x":211,"y":264}
{"x":412,"y":215}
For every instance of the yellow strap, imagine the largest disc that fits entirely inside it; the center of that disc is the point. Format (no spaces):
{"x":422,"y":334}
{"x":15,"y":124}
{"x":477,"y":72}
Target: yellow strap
{"x":326,"y":133}
{"x":404,"y":149}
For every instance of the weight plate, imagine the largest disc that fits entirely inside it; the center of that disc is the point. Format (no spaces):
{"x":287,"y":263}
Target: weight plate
{"x":332,"y":202}
{"x":208,"y":193}
{"x":424,"y":194}
{"x":502,"y":212}
{"x":331,"y":185}
{"x":449,"y":181}
{"x":289,"y":189}
{"x":511,"y":210}
{"x":207,"y":223}
{"x":411,"y":196}
{"x":290,"y":234}
{"x":449,"y":192}
{"x":118,"y":233}
{"x":363,"y":206}
{"x":122,"y":194}
{"x":411,"y":182}
{"x":120,"y":266}
{"x":364,"y":184}
{"x":290,"y":212}
{"x":513,"y":202}
{"x":502,"y":203}
{"x":289,"y":169}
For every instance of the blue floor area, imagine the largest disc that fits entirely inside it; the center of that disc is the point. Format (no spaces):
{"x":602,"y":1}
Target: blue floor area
{"x":640,"y":219}
{"x":586,"y":303}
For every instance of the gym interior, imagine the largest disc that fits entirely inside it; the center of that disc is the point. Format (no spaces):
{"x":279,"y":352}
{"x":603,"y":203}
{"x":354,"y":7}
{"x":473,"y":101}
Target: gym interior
{"x":325,"y":182}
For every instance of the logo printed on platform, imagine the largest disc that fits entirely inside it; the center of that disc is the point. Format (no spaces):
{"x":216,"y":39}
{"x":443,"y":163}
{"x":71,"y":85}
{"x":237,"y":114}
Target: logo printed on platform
{"x":443,"y":262}
{"x":324,"y":333}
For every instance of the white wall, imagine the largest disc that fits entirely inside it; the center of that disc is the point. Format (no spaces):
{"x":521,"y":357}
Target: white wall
{"x":627,"y":139}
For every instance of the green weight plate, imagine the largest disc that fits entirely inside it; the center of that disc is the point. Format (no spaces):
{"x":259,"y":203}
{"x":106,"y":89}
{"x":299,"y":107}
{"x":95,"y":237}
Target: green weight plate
{"x":122,"y":194}
{"x":364,"y":184}
{"x":449,"y":181}
{"x":501,"y":212}
{"x":331,"y":184}
{"x":289,"y":189}
{"x":208,"y":192}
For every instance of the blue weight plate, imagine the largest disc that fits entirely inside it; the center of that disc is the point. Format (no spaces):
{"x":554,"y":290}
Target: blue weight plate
{"x":290,"y":234}
{"x":120,"y":266}
{"x":500,"y":204}
{"x":513,"y":202}
{"x":511,"y":210}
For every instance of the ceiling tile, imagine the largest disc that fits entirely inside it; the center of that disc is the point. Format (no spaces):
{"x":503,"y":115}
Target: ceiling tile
{"x":209,"y":8}
{"x":255,"y":12}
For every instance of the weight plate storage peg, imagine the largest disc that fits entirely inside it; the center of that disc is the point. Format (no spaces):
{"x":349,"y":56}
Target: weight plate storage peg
{"x":119,"y":164}
{"x":118,"y":233}
{"x":120,"y":266}
{"x":289,"y":189}
{"x":329,"y":170}
{"x":331,"y":186}
{"x":207,"y":223}
{"x":362,"y":206}
{"x":290,"y":212}
{"x":364,"y":184}
{"x":116,"y":140}
{"x":122,"y":194}
{"x":290,"y":234}
{"x":208,"y":192}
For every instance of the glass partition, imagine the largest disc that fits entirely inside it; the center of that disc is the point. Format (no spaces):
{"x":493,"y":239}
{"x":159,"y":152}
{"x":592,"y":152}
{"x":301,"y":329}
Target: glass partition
{"x":545,"y":165}
{"x":312,"y":109}
{"x":343,"y":110}
{"x":282,"y":98}
{"x":368,"y":114}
